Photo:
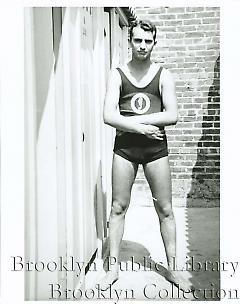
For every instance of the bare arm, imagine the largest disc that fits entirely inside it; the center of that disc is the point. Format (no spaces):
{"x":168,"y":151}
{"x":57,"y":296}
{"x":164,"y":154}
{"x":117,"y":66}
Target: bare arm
{"x":111,"y":113}
{"x":170,"y":115}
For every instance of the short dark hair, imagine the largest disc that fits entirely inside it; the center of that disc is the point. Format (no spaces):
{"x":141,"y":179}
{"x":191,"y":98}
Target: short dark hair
{"x":146,"y":25}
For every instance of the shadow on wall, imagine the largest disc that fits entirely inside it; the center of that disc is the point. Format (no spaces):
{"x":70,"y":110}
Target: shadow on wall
{"x":207,"y":163}
{"x":100,"y":207}
{"x":46,"y":60}
{"x":203,"y":224}
{"x":49,"y":67}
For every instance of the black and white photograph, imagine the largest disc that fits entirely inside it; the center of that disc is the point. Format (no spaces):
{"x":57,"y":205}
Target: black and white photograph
{"x":123,"y":153}
{"x":111,"y":152}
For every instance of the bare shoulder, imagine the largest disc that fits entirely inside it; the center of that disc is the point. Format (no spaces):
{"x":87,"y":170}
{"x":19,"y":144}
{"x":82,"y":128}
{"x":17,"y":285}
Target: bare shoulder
{"x":166,"y":74}
{"x":124,"y":68}
{"x":166,"y":77}
{"x":114,"y":76}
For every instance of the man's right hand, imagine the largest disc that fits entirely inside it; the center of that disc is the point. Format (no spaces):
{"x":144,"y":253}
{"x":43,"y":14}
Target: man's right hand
{"x":151,"y":131}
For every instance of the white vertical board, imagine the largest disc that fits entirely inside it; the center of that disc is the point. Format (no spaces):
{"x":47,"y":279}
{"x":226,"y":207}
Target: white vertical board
{"x":99,"y":94}
{"x":12,"y":150}
{"x":47,"y":204}
{"x":59,"y":94}
{"x":81,"y":240}
{"x":87,"y":87}
{"x":30,"y":151}
{"x":107,"y":130}
{"x":114,"y":23}
{"x":68,"y":52}
{"x":124,"y":44}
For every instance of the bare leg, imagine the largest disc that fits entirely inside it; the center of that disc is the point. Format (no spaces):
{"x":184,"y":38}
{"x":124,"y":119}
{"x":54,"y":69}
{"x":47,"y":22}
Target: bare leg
{"x":158,"y":176}
{"x":123,"y":176}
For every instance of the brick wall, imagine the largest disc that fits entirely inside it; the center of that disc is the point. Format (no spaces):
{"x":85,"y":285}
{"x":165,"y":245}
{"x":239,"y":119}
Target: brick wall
{"x":188,"y":45}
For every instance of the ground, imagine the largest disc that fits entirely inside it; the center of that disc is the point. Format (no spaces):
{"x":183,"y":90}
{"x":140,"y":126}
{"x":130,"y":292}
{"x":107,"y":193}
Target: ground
{"x":143,"y":261}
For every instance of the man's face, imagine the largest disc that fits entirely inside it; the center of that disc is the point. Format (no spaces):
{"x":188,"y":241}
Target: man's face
{"x":142,"y":43}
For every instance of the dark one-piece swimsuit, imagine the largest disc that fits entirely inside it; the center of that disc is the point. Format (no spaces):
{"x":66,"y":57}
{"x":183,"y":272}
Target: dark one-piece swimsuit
{"x":138,"y":148}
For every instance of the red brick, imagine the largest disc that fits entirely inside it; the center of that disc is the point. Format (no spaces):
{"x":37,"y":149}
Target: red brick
{"x":178,"y":169}
{"x":167,"y":17}
{"x":191,"y":106}
{"x":186,"y":163}
{"x":172,"y":144}
{"x":185,"y":99}
{"x":158,"y":24}
{"x":207,"y":27}
{"x":187,"y":28}
{"x":177,"y":48}
{"x":197,"y":47}
{"x":176,"y":10}
{"x":176,"y":157}
{"x":213,"y":131}
{"x":216,"y":39}
{"x":193,"y":131}
{"x":205,"y":14}
{"x":157,"y":10}
{"x":175,"y":131}
{"x":175,"y":35}
{"x":194,"y":35}
{"x":186,"y":16}
{"x":184,"y":176}
{"x":213,"y":105}
{"x":183,"y":138}
{"x":167,"y":28}
{"x":210,"y":20}
{"x":173,"y":22}
{"x":192,"y":21}
{"x":194,"y":59}
{"x":195,"y":9}
{"x":189,"y":118}
{"x":197,"y":125}
{"x":213,"y":8}
{"x":205,"y":53}
{"x":190,"y":144}
{"x":212,"y":169}
{"x":207,"y":124}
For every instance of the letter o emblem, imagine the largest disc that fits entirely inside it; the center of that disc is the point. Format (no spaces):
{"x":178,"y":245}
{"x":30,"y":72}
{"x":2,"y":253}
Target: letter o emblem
{"x":140,"y":103}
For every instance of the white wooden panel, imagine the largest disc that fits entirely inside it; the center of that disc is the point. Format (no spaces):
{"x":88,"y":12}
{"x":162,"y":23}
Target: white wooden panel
{"x":125,"y":43}
{"x":88,"y":144}
{"x":109,"y":132}
{"x":99,"y":94}
{"x":47,"y":205}
{"x":76,"y":244}
{"x":73,"y":175}
{"x":114,"y":38}
{"x":59,"y":93}
{"x":120,"y":44}
{"x":91,"y":244}
{"x":30,"y":152}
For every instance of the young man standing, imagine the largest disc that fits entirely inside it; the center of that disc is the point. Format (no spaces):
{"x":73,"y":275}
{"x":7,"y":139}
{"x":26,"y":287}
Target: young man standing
{"x":140,"y":101}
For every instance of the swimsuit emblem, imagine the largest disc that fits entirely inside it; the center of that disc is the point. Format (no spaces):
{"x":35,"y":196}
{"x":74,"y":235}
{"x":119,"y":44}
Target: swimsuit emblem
{"x":140,"y":103}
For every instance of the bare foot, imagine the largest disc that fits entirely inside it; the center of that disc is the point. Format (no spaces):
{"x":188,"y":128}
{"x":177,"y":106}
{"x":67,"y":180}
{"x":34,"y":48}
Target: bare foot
{"x":109,"y":279}
{"x":183,"y":284}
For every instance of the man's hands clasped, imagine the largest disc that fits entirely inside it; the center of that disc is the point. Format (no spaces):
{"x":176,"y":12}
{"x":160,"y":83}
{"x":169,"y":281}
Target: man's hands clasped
{"x":151,"y":131}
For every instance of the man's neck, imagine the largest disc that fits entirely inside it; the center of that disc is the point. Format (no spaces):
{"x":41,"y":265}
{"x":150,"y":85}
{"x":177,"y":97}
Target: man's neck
{"x":139,"y":65}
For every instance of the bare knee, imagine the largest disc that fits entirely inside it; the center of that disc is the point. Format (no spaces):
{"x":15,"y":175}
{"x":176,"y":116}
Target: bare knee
{"x":118,"y":207}
{"x":164,"y":210}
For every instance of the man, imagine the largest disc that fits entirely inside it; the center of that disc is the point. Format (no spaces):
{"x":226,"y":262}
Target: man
{"x":140,"y":101}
